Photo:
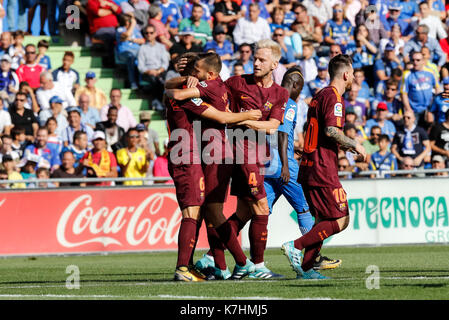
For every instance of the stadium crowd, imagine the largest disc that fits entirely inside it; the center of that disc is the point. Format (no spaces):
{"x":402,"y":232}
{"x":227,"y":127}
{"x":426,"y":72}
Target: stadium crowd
{"x":51,"y":126}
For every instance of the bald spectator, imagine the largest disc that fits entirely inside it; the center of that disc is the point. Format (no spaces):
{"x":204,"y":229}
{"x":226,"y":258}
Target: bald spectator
{"x":125,"y":117}
{"x":96,"y":95}
{"x":422,"y":39}
{"x":89,"y":115}
{"x":5,"y":42}
{"x":50,"y":88}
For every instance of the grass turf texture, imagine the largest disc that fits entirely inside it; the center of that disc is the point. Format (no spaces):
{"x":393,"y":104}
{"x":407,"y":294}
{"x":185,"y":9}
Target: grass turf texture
{"x":406,"y":272}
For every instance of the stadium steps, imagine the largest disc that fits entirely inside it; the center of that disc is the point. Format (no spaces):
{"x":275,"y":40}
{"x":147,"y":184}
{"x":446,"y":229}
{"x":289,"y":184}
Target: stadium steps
{"x":90,"y":59}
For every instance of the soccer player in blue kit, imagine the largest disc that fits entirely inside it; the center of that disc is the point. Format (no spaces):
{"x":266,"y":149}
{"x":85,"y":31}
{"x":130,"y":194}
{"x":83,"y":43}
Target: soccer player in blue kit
{"x":282,"y":170}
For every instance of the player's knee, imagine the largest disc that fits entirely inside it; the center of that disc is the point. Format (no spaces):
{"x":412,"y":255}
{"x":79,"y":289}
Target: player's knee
{"x":343,"y":222}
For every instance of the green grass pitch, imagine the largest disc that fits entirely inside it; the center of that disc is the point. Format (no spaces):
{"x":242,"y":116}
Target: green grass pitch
{"x":405,"y":272}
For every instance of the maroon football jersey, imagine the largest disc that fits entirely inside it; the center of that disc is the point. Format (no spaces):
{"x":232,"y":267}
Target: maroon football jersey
{"x":319,"y":163}
{"x":180,"y":123}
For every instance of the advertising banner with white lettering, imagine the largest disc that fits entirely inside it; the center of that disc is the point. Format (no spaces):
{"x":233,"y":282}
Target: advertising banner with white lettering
{"x":390,"y":211}
{"x":92,"y":220}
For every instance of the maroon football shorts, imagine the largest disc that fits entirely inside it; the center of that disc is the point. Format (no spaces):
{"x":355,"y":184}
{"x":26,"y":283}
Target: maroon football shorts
{"x":216,"y":178}
{"x":248,"y":182}
{"x":189,"y":184}
{"x":326,"y":202}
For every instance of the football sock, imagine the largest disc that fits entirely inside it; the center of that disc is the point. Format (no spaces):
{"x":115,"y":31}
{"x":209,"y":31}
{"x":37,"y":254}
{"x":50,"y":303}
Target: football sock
{"x":305,"y":222}
{"x":216,"y":248}
{"x":186,"y":241}
{"x":229,"y":239}
{"x":198,"y":227}
{"x":310,"y":254}
{"x":236,"y":225}
{"x":258,"y":233}
{"x":317,"y":234}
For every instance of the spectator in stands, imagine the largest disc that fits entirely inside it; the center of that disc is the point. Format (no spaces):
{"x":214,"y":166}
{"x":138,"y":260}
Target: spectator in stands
{"x":287,"y":53}
{"x":245,"y":58}
{"x":129,"y":39}
{"x":394,"y":105}
{"x":6,"y":149}
{"x":394,"y":13}
{"x":145,"y":143}
{"x":394,"y":40}
{"x":54,"y":142}
{"x":237,"y":69}
{"x":42,"y":58}
{"x":5,"y":120}
{"x":387,"y":127}
{"x":371,"y":145}
{"x":113,"y":132}
{"x":184,"y":45}
{"x":56,"y":111}
{"x":9,"y":82}
{"x":409,"y":10}
{"x":89,"y":115}
{"x":19,"y":141}
{"x":227,"y":12}
{"x":28,"y":167}
{"x":68,"y":171}
{"x":350,"y":131}
{"x":187,"y":9}
{"x":344,"y":166}
{"x":39,"y":147}
{"x":151,"y":134}
{"x":412,"y":141}
{"x":162,"y":34}
{"x":79,"y":146}
{"x":5,"y":42}
{"x":99,"y":162}
{"x":365,"y":49}
{"x":160,"y":167}
{"x":308,"y":27}
{"x":43,"y":173}
{"x":21,"y":117}
{"x":407,"y":163}
{"x":171,"y":16}
{"x":152,"y":62}
{"x":383,"y":159}
{"x":439,"y":163}
{"x":31,"y":70}
{"x":10,"y":167}
{"x":439,"y":138}
{"x":102,"y":17}
{"x":360,"y":109}
{"x":17,"y":50}
{"x":133,"y":161}
{"x":200,"y":27}
{"x":322,"y":79}
{"x":436,"y":29}
{"x":422,"y":39}
{"x":384,"y":66}
{"x":319,"y":9}
{"x":222,"y":46}
{"x":429,"y":64}
{"x":364,"y":95}
{"x":97,"y":97}
{"x":339,"y":30}
{"x":74,"y":120}
{"x":417,"y":88}
{"x":50,"y":88}
{"x":138,"y":9}
{"x":308,"y":62}
{"x":440,"y":104}
{"x":252,"y":29}
{"x":65,"y":75}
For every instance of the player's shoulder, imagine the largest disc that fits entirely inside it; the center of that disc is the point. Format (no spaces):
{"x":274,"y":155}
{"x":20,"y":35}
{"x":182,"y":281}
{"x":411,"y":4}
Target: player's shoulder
{"x":330,"y":93}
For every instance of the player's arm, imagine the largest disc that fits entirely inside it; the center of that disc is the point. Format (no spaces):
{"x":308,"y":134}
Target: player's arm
{"x":223,"y":117}
{"x":183,"y":94}
{"x":345,"y":142}
{"x":282,"y":145}
{"x":177,"y":82}
{"x":269,"y":126}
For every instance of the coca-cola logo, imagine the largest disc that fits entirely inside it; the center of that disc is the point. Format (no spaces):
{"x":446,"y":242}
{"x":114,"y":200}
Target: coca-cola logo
{"x":82,"y":224}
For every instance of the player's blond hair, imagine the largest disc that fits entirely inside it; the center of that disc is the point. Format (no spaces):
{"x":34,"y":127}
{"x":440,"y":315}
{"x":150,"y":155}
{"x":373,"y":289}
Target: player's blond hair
{"x":276,"y":52}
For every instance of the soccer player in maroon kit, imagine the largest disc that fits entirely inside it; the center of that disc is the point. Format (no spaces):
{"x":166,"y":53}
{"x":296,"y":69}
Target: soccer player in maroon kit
{"x":187,"y":173}
{"x":318,"y":173}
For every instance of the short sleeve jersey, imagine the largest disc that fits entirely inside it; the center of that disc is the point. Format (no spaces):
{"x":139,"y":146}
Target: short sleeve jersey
{"x":319,"y":161}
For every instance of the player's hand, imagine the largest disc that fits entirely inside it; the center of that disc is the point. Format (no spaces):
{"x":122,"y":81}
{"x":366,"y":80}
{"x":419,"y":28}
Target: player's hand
{"x":191,"y":82}
{"x":181,"y":65}
{"x":285,"y":175}
{"x":361,"y":153}
{"x":254,"y":114}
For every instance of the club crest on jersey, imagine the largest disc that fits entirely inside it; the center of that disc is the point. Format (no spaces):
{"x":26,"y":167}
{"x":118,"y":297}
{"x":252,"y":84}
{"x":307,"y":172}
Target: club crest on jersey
{"x":203,"y":84}
{"x":254,"y":190}
{"x":338,"y":110}
{"x":267,"y":106}
{"x":342,"y":206}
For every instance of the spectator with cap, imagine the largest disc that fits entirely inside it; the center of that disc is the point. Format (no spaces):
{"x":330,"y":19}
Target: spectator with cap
{"x":411,"y":141}
{"x":162,"y":34}
{"x":418,"y":87}
{"x":394,"y":13}
{"x":50,"y":88}
{"x":57,"y":111}
{"x":439,"y":138}
{"x":439,"y":163}
{"x":9,"y":82}
{"x":222,"y":46}
{"x":39,"y":147}
{"x":368,"y":15}
{"x":436,"y":28}
{"x":387,"y":127}
{"x":322,"y":79}
{"x":422,"y":39}
{"x":79,"y":146}
{"x":185,"y":44}
{"x":31,"y":70}
{"x":65,"y":75}
{"x":89,"y":115}
{"x":74,"y":120}
{"x":200,"y":27}
{"x":22,"y":117}
{"x":151,"y":134}
{"x":145,"y":143}
{"x":440,"y":104}
{"x":100,"y":162}
{"x":28,"y":166}
{"x":252,"y":28}
{"x":384,"y":66}
{"x":68,"y":171}
{"x":11,"y":171}
{"x":152,"y":62}
{"x":113,"y":132}
{"x":97,"y":96}
{"x":339,"y":30}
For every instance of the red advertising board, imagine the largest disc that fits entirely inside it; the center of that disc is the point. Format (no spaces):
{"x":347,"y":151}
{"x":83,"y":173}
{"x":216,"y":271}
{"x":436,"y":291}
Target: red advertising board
{"x":92,"y":220}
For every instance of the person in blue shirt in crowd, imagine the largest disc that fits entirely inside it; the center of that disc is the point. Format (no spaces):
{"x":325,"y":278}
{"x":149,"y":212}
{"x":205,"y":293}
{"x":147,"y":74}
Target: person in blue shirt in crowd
{"x":322,"y":79}
{"x":186,"y":10}
{"x":364,"y":50}
{"x":289,"y":15}
{"x":440,"y":104}
{"x":394,"y":17}
{"x":365,"y":91}
{"x":383,"y":159}
{"x":394,"y":105}
{"x":339,"y":30}
{"x":246,"y":58}
{"x":222,"y":46}
{"x":418,"y":86}
{"x":170,"y":14}
{"x":383,"y":67}
{"x":409,"y":9}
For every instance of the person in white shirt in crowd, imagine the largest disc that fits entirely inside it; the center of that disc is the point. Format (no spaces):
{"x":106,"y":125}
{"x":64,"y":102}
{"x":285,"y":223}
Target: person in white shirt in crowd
{"x":49,"y":88}
{"x":251,"y":29}
{"x":68,"y":77}
{"x":125,"y":117}
{"x":436,"y":28}
{"x":5,"y":119}
{"x":321,"y":9}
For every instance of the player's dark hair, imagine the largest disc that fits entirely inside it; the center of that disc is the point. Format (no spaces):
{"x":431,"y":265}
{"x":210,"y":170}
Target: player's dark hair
{"x":293,"y":74}
{"x":191,"y":60}
{"x":339,"y":64}
{"x":384,"y":137}
{"x":211,"y":60}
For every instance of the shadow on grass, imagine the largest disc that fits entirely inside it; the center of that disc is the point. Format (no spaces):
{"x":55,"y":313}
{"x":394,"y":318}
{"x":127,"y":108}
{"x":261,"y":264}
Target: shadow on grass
{"x":425,"y":285}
